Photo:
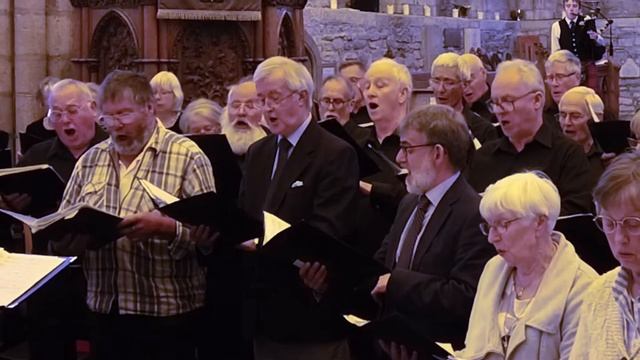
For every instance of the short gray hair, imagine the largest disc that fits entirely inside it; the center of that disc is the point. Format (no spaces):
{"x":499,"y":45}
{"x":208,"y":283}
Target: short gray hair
{"x":467,"y":63}
{"x":204,"y":107}
{"x":592,"y":102}
{"x":350,"y":92}
{"x":443,"y":125}
{"x":449,"y":60}
{"x":296,"y":75}
{"x":80,"y":87}
{"x":399,"y":71}
{"x":529,"y":73}
{"x":566,"y":58}
{"x":529,"y":193}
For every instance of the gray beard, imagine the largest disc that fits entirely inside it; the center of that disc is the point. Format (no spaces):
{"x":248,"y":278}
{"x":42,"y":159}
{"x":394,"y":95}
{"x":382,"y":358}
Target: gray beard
{"x":136,"y":146}
{"x":241,"y":140}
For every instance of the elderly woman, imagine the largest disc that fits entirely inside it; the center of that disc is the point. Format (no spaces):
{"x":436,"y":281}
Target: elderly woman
{"x":578,"y":107}
{"x":201,"y":116}
{"x":169,"y":96}
{"x":609,"y":320}
{"x":528,"y":297}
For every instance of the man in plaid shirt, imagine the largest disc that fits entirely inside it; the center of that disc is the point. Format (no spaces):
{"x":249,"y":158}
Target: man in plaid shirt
{"x":145,"y":288}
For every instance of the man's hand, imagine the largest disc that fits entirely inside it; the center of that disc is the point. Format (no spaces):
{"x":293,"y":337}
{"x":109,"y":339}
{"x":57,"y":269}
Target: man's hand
{"x":592,"y":34}
{"x":204,"y":236}
{"x":397,"y":351}
{"x":380,"y":289}
{"x":365,"y":187}
{"x":314,"y":276}
{"x":15,"y":202}
{"x":248,"y":246}
{"x":147,"y":224}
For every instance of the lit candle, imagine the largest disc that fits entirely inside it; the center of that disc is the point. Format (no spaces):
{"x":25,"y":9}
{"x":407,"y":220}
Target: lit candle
{"x":405,"y":9}
{"x":480,"y":14}
{"x":389,"y":9}
{"x":334,"y":4}
{"x":497,"y":15}
{"x":427,"y":10}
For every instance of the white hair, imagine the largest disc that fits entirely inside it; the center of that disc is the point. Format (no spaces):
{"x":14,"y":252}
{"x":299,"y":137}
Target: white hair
{"x":169,"y":81}
{"x":567,"y":58}
{"x":523,"y":194}
{"x":592,"y":102}
{"x":399,"y":71}
{"x":296,"y":75}
{"x":449,"y":60}
{"x":467,"y":63}
{"x":527,"y":71}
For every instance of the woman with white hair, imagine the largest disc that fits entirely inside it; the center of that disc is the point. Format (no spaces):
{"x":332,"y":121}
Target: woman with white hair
{"x":169,"y":97}
{"x":201,"y":116}
{"x":526,"y":305}
{"x":578,"y":107}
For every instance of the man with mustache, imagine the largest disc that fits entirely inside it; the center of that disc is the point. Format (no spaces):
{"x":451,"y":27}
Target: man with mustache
{"x":242,"y":125}
{"x":145,"y":289}
{"x":446,"y":82}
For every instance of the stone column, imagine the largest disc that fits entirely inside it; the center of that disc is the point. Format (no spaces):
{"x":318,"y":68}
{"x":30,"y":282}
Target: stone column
{"x":30,"y":59}
{"x":6,"y":60}
{"x":61,"y":39}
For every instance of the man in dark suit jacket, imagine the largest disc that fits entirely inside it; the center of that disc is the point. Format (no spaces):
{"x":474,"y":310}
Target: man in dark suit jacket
{"x":299,"y":172}
{"x":434,"y":248}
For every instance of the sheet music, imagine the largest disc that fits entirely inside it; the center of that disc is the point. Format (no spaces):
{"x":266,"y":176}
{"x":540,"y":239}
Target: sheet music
{"x":20,"y":272}
{"x":159,"y":196}
{"x":273,"y":225}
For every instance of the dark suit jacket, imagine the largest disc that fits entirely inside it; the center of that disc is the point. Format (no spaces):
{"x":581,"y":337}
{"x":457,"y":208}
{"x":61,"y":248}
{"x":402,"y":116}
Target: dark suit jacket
{"x":327,"y":167}
{"x":439,"y":289}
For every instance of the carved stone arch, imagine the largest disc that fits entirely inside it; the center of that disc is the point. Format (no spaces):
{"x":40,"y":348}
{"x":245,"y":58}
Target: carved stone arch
{"x":286,"y":44}
{"x":114,"y":45}
{"x":210,"y":58}
{"x":314,"y":60}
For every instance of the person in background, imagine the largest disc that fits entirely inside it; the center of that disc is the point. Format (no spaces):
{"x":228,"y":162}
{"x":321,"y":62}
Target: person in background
{"x":529,"y":295}
{"x":36,"y":130}
{"x":201,"y":116}
{"x":336,"y":99}
{"x":578,"y":107}
{"x":446,"y":82}
{"x":353,"y":70}
{"x":476,"y":89}
{"x":563,"y":72}
{"x":634,"y":142}
{"x":169,"y":97}
{"x":608,"y":326}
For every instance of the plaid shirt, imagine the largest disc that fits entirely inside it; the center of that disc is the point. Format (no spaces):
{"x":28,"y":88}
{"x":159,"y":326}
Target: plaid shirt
{"x":156,"y":276}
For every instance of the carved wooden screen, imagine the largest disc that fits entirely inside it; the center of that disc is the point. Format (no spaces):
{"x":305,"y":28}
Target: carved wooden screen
{"x":210,"y":58}
{"x":114,"y":46}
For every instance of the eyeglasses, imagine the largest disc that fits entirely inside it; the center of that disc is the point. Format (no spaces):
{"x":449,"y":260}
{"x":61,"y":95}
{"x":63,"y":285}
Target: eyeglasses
{"x":445,"y":83}
{"x":124,"y":118}
{"x":248,"y":105}
{"x":631,"y":224}
{"x":406,"y":149}
{"x":274,"y":100}
{"x":337,"y":103}
{"x":507,"y":105}
{"x":558,"y":77}
{"x":53,"y":116}
{"x":501,"y":227}
{"x":562,"y":116}
{"x":633,"y":143}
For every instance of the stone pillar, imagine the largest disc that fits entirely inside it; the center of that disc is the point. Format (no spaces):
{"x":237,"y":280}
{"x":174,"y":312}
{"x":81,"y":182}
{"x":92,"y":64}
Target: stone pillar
{"x":6,"y":60}
{"x":59,"y":46}
{"x":30,"y":59}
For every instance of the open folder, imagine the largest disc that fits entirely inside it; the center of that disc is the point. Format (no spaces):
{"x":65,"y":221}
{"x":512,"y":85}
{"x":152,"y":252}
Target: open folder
{"x":302,"y":242}
{"x":611,"y":135}
{"x":41,"y":182}
{"x":403,"y":331}
{"x":209,"y":208}
{"x":21,"y":275}
{"x":367,"y":165}
{"x":74,"y":219}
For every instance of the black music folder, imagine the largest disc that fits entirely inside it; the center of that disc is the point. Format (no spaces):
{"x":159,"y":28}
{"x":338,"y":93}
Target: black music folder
{"x":41,"y":182}
{"x":218,"y":212}
{"x":367,"y":165}
{"x":303,"y":243}
{"x":402,"y":330}
{"x":79,"y":218}
{"x":611,"y":135}
{"x":226,"y":169}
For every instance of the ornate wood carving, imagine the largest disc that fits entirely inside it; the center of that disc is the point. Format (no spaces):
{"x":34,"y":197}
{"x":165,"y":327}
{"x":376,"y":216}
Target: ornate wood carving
{"x":296,"y":4}
{"x":285,"y":38}
{"x":112,"y":3}
{"x":113,"y":45}
{"x":211,"y":57}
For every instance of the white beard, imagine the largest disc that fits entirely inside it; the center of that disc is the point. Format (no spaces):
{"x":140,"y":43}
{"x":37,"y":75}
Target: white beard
{"x":240,"y":140}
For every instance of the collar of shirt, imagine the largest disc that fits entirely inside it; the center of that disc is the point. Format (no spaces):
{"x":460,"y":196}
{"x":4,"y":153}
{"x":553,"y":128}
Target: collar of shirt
{"x":576,"y":20}
{"x":544,"y":136}
{"x":437,"y":193}
{"x":625,"y":301}
{"x":297,"y":133}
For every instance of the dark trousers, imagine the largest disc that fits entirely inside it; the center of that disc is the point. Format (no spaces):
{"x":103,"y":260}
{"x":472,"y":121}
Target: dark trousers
{"x":137,"y":337}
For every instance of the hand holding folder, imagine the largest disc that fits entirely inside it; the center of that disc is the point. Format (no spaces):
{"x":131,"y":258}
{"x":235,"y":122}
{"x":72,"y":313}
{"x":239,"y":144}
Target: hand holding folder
{"x":40,"y":182}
